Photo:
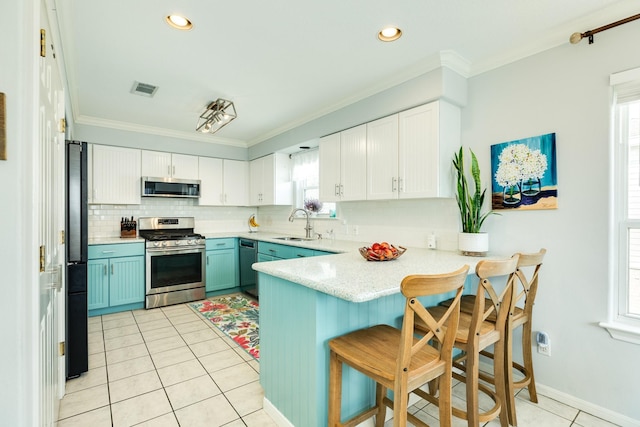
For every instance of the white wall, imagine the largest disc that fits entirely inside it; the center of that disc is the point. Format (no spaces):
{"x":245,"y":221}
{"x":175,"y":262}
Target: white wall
{"x":566,"y":91}
{"x":18,"y":260}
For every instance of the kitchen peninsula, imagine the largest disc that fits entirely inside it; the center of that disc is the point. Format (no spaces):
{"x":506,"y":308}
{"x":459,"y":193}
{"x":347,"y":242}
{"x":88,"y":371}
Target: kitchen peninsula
{"x":305,"y":302}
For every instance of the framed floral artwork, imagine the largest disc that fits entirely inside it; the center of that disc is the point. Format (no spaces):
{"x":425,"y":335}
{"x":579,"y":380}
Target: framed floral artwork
{"x":524,"y":174}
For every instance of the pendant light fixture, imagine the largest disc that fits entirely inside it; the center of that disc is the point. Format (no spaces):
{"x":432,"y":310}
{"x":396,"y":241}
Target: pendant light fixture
{"x":216,"y":115}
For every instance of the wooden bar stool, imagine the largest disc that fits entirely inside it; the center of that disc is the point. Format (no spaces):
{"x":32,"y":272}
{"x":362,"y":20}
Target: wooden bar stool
{"x":397,"y":360}
{"x":526,"y":288}
{"x":476,"y":333}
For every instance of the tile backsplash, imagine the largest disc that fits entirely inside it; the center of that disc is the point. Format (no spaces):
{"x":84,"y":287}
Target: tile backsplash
{"x":402,"y":222}
{"x":104,"y":220}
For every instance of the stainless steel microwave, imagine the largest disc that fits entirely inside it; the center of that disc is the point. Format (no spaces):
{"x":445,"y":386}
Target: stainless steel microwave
{"x":170,"y":187}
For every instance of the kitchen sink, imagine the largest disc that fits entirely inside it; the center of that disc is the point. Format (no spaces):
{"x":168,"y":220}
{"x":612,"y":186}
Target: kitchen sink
{"x":292,"y":239}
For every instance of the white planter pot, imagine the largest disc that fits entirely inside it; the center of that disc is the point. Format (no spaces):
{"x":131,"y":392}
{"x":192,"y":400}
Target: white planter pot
{"x":473,"y":244}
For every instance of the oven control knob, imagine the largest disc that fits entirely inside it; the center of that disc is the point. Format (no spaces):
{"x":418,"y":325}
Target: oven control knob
{"x":157,"y":244}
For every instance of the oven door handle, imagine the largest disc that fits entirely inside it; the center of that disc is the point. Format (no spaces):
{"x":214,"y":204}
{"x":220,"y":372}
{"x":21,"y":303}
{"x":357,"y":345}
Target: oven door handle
{"x":183,"y":250}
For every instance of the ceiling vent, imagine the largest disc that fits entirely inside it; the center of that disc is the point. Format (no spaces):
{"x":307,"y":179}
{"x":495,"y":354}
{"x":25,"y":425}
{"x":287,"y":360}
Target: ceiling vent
{"x":144,"y":89}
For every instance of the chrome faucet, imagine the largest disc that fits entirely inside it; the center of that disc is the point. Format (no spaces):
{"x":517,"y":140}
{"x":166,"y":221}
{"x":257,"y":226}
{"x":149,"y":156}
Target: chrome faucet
{"x":308,"y":228}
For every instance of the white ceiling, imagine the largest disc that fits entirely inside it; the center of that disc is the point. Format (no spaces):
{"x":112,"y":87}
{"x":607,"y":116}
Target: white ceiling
{"x":285,"y":62}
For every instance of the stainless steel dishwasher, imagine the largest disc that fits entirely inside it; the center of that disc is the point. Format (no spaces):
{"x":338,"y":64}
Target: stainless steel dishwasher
{"x":248,"y":276}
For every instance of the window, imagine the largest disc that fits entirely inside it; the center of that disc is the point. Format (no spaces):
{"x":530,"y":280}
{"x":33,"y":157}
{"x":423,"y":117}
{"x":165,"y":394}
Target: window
{"x":624,"y":317}
{"x":306,"y":180}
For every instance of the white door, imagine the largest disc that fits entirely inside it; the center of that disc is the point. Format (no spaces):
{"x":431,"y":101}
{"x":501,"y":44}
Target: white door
{"x":184,"y":166}
{"x":255,"y":181}
{"x":382,"y":158}
{"x":156,"y":164}
{"x":115,"y":175}
{"x":418,"y":152}
{"x":236,"y":183}
{"x":329,"y":160}
{"x":353,"y":163}
{"x":210,"y":174}
{"x":51,"y":178}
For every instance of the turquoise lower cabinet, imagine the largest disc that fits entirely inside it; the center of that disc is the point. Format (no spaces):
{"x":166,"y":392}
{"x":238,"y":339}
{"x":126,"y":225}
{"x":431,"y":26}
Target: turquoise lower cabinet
{"x":277,"y":251}
{"x":115,"y":278}
{"x":98,"y":286}
{"x":222,"y":264}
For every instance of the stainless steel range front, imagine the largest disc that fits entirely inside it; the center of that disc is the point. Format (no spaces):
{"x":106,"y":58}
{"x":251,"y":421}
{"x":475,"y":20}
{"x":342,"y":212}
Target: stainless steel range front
{"x":175,"y":261}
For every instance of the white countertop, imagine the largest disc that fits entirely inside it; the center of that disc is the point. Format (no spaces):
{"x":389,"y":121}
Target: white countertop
{"x":345,"y":274}
{"x":350,"y":277}
{"x":114,"y":240}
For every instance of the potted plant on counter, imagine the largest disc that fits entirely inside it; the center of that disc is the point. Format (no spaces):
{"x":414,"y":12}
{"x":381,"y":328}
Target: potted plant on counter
{"x":471,"y":241}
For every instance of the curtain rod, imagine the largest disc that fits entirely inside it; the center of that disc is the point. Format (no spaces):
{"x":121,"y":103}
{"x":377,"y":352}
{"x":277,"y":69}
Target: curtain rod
{"x":306,"y":150}
{"x":576,"y":37}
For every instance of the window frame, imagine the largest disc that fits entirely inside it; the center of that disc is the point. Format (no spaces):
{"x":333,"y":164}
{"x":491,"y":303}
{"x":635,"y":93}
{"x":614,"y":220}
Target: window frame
{"x":621,"y":324}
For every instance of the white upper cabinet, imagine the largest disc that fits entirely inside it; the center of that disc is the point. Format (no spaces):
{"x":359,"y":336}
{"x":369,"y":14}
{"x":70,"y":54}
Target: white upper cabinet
{"x":270,"y":180}
{"x":223,"y":182}
{"x":382,"y":158}
{"x":236,"y":182}
{"x":211,"y":184}
{"x":114,"y":175}
{"x":343,"y":165}
{"x":428,"y":137}
{"x":409,"y":154}
{"x":169,"y":165}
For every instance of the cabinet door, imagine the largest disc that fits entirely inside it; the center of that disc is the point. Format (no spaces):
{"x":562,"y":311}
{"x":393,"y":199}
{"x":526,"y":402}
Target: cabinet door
{"x":222,"y":268}
{"x":255,"y":183}
{"x":268,"y":180}
{"x":126,"y":284}
{"x":265,"y":258}
{"x":236,"y":183}
{"x":210,"y":174}
{"x":184,"y":166}
{"x":329,"y":161}
{"x":418,"y":152}
{"x":353,"y":163}
{"x":115,"y":175}
{"x":97,"y":283}
{"x":156,"y":164}
{"x":382,"y":158}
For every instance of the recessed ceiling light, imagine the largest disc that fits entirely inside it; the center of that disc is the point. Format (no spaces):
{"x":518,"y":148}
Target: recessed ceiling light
{"x":179,"y":22}
{"x":389,"y":34}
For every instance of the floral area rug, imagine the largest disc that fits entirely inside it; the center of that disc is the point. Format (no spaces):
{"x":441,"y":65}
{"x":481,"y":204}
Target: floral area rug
{"x":237,"y":317}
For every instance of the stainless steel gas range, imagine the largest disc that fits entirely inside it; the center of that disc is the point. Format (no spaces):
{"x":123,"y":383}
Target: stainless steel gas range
{"x":175,"y":261}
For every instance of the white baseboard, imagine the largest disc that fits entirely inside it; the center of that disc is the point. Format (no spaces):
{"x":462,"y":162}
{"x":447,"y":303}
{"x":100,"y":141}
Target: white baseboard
{"x":562,"y":397}
{"x":574,"y":402}
{"x":588,"y":407}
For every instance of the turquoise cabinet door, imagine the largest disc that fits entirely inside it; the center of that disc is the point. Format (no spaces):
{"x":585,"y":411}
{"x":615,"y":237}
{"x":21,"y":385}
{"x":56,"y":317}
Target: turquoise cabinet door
{"x":98,"y":283}
{"x":265,"y":257}
{"x":126,"y":284}
{"x":222,"y":268}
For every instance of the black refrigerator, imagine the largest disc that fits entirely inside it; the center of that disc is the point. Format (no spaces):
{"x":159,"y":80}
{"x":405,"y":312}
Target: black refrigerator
{"x":76,"y":347}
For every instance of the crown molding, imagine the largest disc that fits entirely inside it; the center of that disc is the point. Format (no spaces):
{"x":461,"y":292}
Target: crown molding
{"x":132,"y":127}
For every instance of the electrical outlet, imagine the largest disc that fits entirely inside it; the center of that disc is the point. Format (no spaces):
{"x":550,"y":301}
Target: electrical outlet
{"x":544,"y":343}
{"x":355,"y":230}
{"x":431,"y":241}
{"x":544,"y":349}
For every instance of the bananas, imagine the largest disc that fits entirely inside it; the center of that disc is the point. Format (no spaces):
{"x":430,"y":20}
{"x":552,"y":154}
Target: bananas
{"x":252,"y":221}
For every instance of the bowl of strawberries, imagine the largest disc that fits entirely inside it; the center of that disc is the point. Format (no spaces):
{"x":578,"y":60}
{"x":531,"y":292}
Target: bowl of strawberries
{"x":381,"y":252}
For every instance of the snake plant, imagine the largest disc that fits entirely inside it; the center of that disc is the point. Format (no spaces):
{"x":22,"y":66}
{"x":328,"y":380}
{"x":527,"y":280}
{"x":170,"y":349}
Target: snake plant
{"x":470,"y":205}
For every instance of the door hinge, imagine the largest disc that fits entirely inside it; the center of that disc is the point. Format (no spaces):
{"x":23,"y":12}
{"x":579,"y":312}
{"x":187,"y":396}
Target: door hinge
{"x":62,"y":237}
{"x":62,"y":127}
{"x":61,"y":348}
{"x":42,"y":258}
{"x":43,"y":42}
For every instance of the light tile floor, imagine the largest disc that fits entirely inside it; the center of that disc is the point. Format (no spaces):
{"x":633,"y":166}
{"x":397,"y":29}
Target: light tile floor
{"x":163,"y":367}
{"x":169,"y":367}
